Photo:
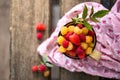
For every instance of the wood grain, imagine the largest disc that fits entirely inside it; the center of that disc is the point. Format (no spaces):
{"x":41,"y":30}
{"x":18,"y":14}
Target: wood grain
{"x":66,"y":5}
{"x":24,"y":15}
{"x":66,"y":75}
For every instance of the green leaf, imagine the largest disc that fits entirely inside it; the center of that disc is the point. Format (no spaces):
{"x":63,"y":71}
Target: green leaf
{"x":94,"y":19}
{"x":100,"y":13}
{"x":49,"y":64}
{"x":45,"y":58}
{"x":86,"y":24}
{"x":92,"y":11}
{"x":85,"y":11}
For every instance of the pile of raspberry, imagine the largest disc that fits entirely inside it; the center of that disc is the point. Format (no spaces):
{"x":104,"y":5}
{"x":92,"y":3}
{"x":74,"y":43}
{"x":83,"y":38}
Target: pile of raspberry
{"x":76,"y":41}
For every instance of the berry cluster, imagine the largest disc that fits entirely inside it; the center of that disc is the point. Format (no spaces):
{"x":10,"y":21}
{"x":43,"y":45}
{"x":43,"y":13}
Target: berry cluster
{"x":76,"y":40}
{"x":40,"y":27}
{"x":41,"y":68}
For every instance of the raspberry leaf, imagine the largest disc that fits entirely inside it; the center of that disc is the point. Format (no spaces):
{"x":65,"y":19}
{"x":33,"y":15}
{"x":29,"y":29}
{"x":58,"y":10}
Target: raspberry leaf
{"x":92,"y":11}
{"x":100,"y":13}
{"x":85,"y":11}
{"x":87,"y":25}
{"x":94,"y":19}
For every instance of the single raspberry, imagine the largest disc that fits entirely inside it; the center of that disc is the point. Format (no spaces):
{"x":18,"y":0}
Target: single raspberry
{"x":46,"y":73}
{"x":35,"y":68}
{"x":42,"y":68}
{"x":79,"y":50}
{"x":39,"y":35}
{"x":67,"y":35}
{"x":80,"y":26}
{"x":65,"y":43}
{"x":40,"y":27}
{"x":81,"y":55}
{"x":82,"y":37}
{"x":91,"y":33}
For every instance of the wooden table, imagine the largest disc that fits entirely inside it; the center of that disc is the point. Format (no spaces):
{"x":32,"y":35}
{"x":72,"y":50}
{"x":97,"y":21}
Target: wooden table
{"x":24,"y":15}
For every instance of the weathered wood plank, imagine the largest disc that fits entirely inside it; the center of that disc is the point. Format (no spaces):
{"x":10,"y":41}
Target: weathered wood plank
{"x":4,"y":39}
{"x":24,"y":15}
{"x":68,"y":4}
{"x":66,"y":75}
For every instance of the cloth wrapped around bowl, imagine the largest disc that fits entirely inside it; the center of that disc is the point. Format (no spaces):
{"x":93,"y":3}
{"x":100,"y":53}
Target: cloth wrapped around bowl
{"x":108,"y":43}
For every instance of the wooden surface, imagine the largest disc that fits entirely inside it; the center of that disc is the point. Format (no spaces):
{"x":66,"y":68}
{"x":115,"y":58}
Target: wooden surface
{"x":24,"y":15}
{"x":4,"y":39}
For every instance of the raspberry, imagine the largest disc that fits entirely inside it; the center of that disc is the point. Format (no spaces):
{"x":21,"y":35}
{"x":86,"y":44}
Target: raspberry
{"x":35,"y":68}
{"x":79,"y":50}
{"x":71,"y":28}
{"x":77,"y":30}
{"x":89,"y":39}
{"x":67,"y":35}
{"x":82,"y":37}
{"x":81,"y":55}
{"x":60,"y":39}
{"x":65,"y":43}
{"x":80,"y":26}
{"x":62,"y":49}
{"x":89,"y":50}
{"x":39,"y":35}
{"x":42,"y":68}
{"x":91,"y":33}
{"x":70,"y":46}
{"x":85,"y":30}
{"x":40,"y":27}
{"x":71,"y":53}
{"x":64,"y":30}
{"x":46,"y":73}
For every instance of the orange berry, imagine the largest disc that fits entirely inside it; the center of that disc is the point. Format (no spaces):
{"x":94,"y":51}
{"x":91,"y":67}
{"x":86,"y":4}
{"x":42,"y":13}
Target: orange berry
{"x":84,"y":45}
{"x":89,"y":50}
{"x":70,"y":46}
{"x":85,"y":30}
{"x":71,"y":28}
{"x":89,"y":39}
{"x":61,"y":49}
{"x":77,"y":30}
{"x":46,"y":73}
{"x":60,"y":39}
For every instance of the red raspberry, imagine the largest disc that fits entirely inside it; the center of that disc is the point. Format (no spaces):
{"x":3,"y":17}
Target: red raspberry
{"x":82,"y":37}
{"x":80,"y":26}
{"x":65,"y":43}
{"x":79,"y":50}
{"x":35,"y":68}
{"x":91,"y":33}
{"x":39,"y":35}
{"x":40,"y":27}
{"x":67,"y":35}
{"x":81,"y":55}
{"x":42,"y":68}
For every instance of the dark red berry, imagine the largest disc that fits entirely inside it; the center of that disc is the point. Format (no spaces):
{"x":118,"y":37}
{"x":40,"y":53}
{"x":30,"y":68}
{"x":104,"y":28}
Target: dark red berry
{"x":39,"y":35}
{"x":67,"y":35}
{"x":42,"y":68}
{"x":91,"y":33}
{"x":79,"y":50}
{"x":65,"y":43}
{"x":80,"y":26}
{"x":40,"y":27}
{"x":35,"y":68}
{"x":81,"y":55}
{"x":82,"y":37}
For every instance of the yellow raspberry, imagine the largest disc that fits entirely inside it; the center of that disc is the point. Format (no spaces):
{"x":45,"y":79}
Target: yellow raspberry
{"x":89,"y":50}
{"x":46,"y":73}
{"x":89,"y":39}
{"x":71,"y":28}
{"x":91,"y":45}
{"x":64,"y":30}
{"x":70,"y":46}
{"x":61,"y":49}
{"x":85,"y":30}
{"x":60,"y":39}
{"x":77,"y":30}
{"x":84,"y":45}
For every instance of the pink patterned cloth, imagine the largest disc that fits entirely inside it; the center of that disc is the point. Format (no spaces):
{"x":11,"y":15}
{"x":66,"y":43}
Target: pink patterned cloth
{"x":108,"y":43}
